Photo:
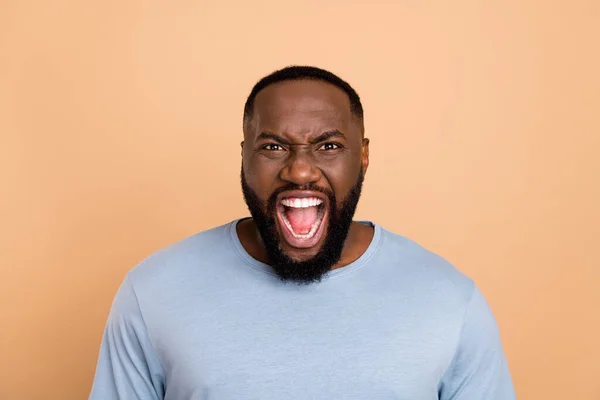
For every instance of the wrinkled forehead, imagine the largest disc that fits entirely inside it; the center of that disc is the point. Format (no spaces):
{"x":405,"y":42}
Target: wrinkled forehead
{"x":287,"y":104}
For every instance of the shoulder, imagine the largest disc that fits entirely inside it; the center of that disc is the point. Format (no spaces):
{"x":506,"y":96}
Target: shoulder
{"x":183,"y":258}
{"x":423,"y":269}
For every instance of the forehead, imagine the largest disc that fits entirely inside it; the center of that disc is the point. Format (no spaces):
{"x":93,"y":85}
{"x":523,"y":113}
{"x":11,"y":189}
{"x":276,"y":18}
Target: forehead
{"x":302,"y":104}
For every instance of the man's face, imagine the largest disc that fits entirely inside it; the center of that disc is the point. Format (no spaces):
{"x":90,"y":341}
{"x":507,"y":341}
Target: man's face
{"x":304,"y":159}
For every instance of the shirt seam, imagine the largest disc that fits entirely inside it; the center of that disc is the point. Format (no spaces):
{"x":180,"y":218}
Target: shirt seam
{"x":460,"y":333}
{"x":373,"y":251}
{"x":263,"y":270}
{"x":237,"y":250}
{"x":150,"y":340}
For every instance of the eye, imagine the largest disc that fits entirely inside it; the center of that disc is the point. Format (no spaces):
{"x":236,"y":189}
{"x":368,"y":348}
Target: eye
{"x":272,"y":147}
{"x":330,"y":146}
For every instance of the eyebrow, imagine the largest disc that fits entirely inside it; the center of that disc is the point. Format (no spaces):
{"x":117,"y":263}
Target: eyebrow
{"x":321,"y":138}
{"x":273,"y":137}
{"x":328,"y":135}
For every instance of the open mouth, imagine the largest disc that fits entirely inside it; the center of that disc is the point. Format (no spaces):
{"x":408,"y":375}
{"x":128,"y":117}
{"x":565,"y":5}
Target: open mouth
{"x":302,"y":220}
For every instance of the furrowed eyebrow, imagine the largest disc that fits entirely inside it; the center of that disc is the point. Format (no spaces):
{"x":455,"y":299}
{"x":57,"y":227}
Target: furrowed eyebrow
{"x":321,"y":138}
{"x":273,"y":137}
{"x":328,"y":135}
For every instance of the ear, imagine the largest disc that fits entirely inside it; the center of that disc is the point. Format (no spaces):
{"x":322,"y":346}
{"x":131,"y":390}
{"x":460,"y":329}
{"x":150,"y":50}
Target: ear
{"x":365,"y":155}
{"x":242,"y":145}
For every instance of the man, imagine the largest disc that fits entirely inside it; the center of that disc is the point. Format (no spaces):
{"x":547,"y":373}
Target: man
{"x":300,"y":301}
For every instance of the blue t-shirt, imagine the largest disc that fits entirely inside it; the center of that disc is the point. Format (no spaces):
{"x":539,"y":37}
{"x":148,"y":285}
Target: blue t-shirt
{"x":202,"y":319}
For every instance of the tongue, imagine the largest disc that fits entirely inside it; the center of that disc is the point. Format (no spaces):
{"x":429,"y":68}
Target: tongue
{"x":302,"y":219}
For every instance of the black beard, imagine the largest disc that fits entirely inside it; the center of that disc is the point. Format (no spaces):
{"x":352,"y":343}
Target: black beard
{"x":338,"y":226}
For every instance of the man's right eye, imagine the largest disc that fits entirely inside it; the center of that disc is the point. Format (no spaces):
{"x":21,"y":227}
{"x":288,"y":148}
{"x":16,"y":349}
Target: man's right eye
{"x":272,"y":147}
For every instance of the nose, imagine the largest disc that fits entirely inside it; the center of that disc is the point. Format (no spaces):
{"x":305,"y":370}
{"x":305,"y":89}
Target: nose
{"x":300,"y":170}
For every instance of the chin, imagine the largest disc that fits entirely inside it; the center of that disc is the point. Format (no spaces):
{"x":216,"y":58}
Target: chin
{"x":300,"y":255}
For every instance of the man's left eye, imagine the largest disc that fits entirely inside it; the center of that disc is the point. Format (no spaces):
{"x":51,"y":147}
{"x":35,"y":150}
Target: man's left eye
{"x":329,"y":146}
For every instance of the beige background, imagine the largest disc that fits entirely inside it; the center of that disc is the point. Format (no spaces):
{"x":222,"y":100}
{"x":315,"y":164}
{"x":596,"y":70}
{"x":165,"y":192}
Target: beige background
{"x":120,"y":126}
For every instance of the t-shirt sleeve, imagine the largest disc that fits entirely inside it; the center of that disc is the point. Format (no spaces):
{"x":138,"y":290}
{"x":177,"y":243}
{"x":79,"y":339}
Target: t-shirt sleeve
{"x":128,"y":367}
{"x":479,"y":370}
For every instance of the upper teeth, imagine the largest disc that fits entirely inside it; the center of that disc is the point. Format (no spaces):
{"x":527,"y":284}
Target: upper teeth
{"x":301,"y":203}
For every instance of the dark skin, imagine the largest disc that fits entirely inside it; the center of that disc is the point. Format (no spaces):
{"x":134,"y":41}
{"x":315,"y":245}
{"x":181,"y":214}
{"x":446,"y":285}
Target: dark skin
{"x":303,"y":132}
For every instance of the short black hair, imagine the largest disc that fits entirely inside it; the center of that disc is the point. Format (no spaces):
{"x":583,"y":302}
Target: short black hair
{"x":299,"y":72}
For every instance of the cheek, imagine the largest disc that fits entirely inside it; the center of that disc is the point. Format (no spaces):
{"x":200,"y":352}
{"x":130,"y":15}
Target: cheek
{"x":261,"y":177}
{"x":342,"y":181}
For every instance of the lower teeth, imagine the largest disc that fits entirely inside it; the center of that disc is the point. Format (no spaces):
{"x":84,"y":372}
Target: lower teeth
{"x":313,"y":228}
